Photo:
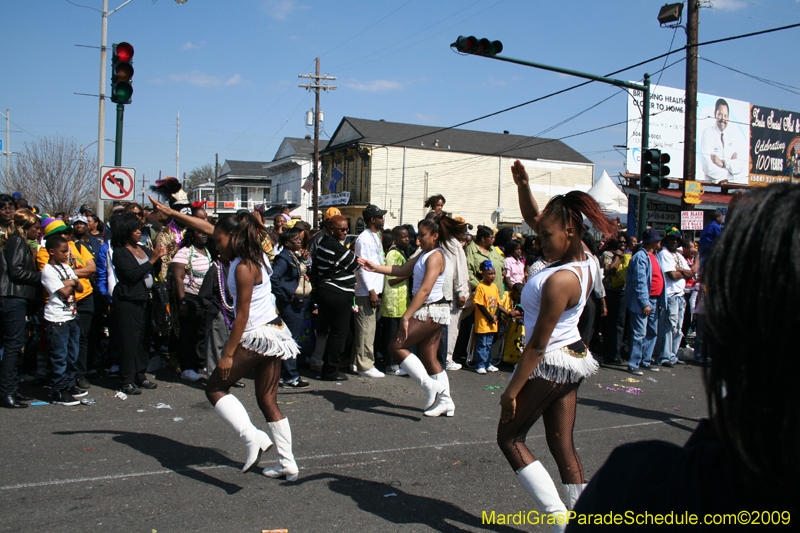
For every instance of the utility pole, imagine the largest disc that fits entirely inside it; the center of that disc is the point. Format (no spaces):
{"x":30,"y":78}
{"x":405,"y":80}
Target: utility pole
{"x":144,"y":186}
{"x":316,"y":87}
{"x":8,"y":146}
{"x":216,"y":182}
{"x":690,"y":111}
{"x":178,"y":147}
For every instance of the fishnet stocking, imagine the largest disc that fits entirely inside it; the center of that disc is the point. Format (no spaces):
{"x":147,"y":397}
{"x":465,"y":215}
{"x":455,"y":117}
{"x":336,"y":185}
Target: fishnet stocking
{"x":267,"y":370}
{"x":555,"y":403}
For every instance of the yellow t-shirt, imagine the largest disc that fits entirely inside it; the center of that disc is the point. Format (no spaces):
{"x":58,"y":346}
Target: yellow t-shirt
{"x":489,"y":297}
{"x":77,"y":259}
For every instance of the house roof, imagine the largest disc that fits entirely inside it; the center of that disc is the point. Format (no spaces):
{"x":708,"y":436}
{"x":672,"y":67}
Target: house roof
{"x":254,"y":169}
{"x":378,"y":132}
{"x":303,"y":147}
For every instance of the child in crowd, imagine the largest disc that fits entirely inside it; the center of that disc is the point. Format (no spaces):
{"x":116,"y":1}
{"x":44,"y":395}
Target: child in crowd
{"x":63,"y":331}
{"x":514,"y":263}
{"x":515,"y":332}
{"x":487,"y":302}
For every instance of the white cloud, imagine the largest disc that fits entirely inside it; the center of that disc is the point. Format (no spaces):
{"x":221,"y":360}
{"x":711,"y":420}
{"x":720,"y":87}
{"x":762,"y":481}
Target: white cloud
{"x":375,"y":85}
{"x":192,"y":46}
{"x":201,"y":79}
{"x":282,"y":9}
{"x":233,"y":80}
{"x":729,"y":5}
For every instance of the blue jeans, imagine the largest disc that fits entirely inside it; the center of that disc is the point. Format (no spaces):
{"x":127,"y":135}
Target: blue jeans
{"x":483,"y":349}
{"x":64,"y":339}
{"x":670,"y":330}
{"x":644,"y":330}
{"x":12,"y":339}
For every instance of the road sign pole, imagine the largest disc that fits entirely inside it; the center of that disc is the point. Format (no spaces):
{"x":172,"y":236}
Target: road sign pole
{"x":642,"y":222}
{"x":118,"y":143}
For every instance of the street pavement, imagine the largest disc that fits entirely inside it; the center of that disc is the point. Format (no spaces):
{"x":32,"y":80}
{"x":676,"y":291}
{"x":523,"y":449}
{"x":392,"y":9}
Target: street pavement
{"x":369,"y":461}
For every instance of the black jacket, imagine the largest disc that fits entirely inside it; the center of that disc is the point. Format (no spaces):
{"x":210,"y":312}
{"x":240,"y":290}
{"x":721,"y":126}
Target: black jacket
{"x":19,"y":277}
{"x":130,"y":275}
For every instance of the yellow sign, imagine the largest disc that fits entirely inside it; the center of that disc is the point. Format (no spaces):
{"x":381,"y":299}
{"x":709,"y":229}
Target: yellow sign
{"x":693,"y":191}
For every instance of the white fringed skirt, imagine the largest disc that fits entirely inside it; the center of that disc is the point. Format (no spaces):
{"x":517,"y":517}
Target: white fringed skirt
{"x":438,"y":312}
{"x":563,"y":365}
{"x":271,"y":340}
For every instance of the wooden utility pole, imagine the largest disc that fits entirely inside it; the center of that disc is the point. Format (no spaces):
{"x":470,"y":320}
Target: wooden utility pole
{"x":216,"y":183}
{"x":316,"y":87}
{"x":690,"y":110}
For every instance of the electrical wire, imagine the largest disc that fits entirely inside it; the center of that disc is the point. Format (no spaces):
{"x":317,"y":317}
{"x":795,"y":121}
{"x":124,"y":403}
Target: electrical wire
{"x":366,"y":29}
{"x":776,"y":84}
{"x":665,"y":59}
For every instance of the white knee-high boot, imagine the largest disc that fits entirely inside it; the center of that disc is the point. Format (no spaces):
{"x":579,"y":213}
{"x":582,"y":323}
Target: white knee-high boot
{"x":573,"y":492}
{"x":540,"y":486}
{"x":231,"y":410}
{"x":445,"y":405}
{"x":282,"y":435}
{"x":416,"y":370}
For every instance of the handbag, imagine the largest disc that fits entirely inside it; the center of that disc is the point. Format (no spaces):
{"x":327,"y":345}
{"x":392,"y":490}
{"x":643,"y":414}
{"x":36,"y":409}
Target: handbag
{"x":159,"y":310}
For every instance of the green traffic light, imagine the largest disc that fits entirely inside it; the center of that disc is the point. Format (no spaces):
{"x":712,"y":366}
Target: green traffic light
{"x":122,"y":92}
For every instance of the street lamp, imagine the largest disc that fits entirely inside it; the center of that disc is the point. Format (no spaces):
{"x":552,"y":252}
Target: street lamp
{"x":101,"y":128}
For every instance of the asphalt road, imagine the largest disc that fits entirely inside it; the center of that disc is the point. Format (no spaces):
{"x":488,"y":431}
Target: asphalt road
{"x":369,"y":460}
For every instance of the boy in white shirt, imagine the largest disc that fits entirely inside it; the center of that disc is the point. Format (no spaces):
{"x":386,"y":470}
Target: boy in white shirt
{"x":62,"y":330}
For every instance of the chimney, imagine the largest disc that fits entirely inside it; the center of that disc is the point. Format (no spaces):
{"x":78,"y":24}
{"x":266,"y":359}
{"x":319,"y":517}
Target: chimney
{"x":505,"y":132}
{"x":308,"y":137}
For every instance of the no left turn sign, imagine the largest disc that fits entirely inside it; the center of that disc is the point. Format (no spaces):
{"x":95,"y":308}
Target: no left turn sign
{"x":117,"y":183}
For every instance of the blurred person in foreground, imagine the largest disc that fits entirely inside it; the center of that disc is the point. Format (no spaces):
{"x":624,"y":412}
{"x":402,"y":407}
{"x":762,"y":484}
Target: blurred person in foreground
{"x":744,"y":456}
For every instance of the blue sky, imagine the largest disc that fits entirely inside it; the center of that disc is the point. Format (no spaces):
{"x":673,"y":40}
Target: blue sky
{"x":230,"y":68}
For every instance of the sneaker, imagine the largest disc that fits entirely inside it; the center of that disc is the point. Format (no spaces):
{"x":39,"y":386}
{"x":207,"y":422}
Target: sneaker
{"x":371,"y":373}
{"x":667,"y":364}
{"x":481,"y":371}
{"x":299,"y":384}
{"x":113,"y":372}
{"x":650,"y":368}
{"x":398,"y":372}
{"x":64,"y":398}
{"x":492,"y":368}
{"x":130,"y":389}
{"x":353,"y":368}
{"x":190,"y":375}
{"x":147,"y":384}
{"x":82,"y":383}
{"x":453,"y":366}
{"x":75,"y":392}
{"x":635,"y":372}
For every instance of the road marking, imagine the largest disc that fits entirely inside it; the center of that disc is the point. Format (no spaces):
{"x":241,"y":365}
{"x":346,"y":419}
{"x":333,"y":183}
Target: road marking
{"x":312,"y":457}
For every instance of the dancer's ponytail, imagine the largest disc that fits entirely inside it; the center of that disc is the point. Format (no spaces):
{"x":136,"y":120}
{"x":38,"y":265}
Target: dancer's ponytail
{"x":246,"y":238}
{"x":574,"y":206}
{"x":446,"y":227}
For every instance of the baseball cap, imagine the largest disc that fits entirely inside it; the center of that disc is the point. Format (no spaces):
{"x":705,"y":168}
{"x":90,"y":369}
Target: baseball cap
{"x":79,"y":218}
{"x":372,"y":210}
{"x":332,"y":212}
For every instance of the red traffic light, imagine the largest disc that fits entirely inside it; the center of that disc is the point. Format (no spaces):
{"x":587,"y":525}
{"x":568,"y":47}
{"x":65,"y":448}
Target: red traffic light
{"x":482,"y":47}
{"x":124,"y":52}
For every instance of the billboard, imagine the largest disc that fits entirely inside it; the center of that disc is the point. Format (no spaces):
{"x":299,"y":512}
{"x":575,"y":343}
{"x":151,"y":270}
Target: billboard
{"x":774,"y":145}
{"x":736,"y":142}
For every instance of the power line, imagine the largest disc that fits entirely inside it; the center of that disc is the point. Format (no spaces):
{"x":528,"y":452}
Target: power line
{"x":776,"y":84}
{"x":366,"y":29}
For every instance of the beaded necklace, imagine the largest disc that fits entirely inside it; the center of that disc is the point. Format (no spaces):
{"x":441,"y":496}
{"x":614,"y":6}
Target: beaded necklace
{"x":226,"y":307}
{"x":178,"y":232}
{"x":194,"y":276}
{"x":378,"y":238}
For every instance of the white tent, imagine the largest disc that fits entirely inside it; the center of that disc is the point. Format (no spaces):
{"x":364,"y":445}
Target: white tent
{"x":608,"y":195}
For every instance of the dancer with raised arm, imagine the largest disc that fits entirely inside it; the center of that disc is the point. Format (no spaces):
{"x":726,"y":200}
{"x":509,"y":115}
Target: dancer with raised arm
{"x":428,"y":311}
{"x":259,"y":340}
{"x":555,"y":361}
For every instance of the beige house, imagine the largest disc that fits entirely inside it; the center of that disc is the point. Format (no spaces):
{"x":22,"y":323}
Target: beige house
{"x":398,"y":166}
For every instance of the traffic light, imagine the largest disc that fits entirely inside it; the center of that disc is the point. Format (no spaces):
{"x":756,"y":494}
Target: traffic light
{"x":479,"y":47}
{"x":121,"y":73}
{"x":655,"y":169}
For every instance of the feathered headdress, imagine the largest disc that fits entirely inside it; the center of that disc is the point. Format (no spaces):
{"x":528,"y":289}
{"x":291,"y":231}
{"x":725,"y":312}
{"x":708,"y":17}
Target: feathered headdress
{"x":171,"y":189}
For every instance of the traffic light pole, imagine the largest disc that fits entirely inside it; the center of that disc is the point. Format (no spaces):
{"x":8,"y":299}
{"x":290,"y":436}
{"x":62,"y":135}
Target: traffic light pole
{"x":644,"y":88}
{"x":118,"y":142}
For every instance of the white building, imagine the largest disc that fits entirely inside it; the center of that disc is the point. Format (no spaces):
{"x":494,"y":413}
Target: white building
{"x":242,"y":185}
{"x":288,"y":171}
{"x":398,"y":166}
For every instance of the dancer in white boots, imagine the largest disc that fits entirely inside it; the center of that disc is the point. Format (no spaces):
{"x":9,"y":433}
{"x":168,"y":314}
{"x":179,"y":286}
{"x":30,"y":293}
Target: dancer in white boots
{"x":555,"y":361}
{"x":427,"y":312}
{"x":259,"y":341}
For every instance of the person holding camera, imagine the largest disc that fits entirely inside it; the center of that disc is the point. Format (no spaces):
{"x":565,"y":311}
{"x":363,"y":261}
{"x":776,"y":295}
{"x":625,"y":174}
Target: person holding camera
{"x":292,"y":288}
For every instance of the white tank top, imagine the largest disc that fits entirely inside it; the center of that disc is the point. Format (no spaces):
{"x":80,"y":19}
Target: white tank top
{"x":566,"y":330}
{"x":262,"y":305}
{"x":419,"y":273}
